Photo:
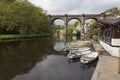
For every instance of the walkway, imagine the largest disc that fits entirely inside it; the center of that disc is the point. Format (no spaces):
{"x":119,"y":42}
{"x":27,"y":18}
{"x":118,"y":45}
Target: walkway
{"x":107,"y":67}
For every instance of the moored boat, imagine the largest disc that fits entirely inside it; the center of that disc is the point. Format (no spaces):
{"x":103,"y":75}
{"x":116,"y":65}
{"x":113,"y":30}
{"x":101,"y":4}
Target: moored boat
{"x":83,"y":49}
{"x":66,"y":48}
{"x":89,"y":57}
{"x":73,"y":55}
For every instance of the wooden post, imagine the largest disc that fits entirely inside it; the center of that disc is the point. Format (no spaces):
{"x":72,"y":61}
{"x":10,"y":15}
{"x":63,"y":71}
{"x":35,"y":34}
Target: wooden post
{"x":119,"y":63}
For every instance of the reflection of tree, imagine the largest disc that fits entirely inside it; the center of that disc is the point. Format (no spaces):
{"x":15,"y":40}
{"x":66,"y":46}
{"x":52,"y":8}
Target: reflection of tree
{"x":20,"y":57}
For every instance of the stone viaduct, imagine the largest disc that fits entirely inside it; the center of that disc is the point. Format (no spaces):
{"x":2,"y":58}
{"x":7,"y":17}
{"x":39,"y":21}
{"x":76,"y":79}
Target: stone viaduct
{"x":82,"y":18}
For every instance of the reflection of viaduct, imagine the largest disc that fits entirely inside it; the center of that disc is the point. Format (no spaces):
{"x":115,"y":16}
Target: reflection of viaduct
{"x":66,"y":18}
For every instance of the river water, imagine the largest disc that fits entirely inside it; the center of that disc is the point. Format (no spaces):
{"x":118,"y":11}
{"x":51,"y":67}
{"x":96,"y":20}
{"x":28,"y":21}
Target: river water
{"x":35,"y":60}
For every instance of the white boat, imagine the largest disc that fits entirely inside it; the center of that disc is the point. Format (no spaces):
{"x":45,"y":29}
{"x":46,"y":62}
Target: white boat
{"x":79,"y":44}
{"x":66,"y":48}
{"x":89,"y":57}
{"x":83,"y":49}
{"x":79,"y":50}
{"x":72,"y":55}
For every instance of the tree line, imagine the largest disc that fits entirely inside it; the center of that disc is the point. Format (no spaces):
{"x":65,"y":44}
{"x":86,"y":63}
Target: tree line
{"x":22,"y":17}
{"x":114,"y":10}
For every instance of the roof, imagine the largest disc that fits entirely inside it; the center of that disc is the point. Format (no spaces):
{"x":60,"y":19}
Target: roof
{"x":108,"y":22}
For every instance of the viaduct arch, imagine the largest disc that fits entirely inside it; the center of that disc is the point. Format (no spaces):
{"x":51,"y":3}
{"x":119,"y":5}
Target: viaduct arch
{"x":82,"y":18}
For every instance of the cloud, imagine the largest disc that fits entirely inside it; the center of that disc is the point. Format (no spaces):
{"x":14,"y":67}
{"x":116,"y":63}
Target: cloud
{"x":76,"y":6}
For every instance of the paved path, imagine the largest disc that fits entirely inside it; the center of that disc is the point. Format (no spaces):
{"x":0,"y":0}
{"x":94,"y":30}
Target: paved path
{"x":100,"y":49}
{"x":107,"y":67}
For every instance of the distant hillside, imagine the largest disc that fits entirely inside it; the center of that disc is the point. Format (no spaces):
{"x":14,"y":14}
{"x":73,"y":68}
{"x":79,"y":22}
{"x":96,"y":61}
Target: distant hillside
{"x":114,"y":10}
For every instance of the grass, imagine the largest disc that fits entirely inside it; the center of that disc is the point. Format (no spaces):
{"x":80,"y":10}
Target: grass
{"x":10,"y":37}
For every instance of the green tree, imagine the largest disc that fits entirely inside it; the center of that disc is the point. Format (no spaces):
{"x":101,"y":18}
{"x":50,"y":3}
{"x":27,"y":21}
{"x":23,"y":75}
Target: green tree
{"x":20,"y":16}
{"x":76,"y":23}
{"x":70,"y":29}
{"x":114,"y":10}
{"x":94,"y":31}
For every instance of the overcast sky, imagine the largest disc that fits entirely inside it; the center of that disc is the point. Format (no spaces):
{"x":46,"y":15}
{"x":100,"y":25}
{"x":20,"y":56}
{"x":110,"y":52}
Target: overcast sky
{"x":76,"y":6}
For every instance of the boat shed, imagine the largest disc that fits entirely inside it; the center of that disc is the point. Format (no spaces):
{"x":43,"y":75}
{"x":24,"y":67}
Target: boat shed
{"x":110,"y":38}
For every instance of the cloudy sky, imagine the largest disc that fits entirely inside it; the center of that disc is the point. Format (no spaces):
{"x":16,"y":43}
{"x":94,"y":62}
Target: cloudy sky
{"x":76,"y":6}
{"x":58,"y":7}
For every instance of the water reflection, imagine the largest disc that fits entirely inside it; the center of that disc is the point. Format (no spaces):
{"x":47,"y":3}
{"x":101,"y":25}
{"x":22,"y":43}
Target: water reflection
{"x":56,"y":67}
{"x":90,"y":65}
{"x":35,"y":60}
{"x":20,"y":57}
{"x":84,"y":66}
{"x":58,"y":46}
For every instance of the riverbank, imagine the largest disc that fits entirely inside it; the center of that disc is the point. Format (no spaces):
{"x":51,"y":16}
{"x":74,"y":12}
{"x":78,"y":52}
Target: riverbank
{"x":107,"y":67}
{"x":15,"y":37}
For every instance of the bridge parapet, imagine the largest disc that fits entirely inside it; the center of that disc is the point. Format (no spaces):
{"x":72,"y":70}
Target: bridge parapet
{"x":81,"y":17}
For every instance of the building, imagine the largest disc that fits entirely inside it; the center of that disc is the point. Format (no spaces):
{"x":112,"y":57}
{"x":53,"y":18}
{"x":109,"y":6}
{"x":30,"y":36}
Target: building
{"x":86,"y":27}
{"x":110,"y":38}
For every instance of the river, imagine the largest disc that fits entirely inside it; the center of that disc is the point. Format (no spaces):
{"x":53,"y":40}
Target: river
{"x":35,"y":60}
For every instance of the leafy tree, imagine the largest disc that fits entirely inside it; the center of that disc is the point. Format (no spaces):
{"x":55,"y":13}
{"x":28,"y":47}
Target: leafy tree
{"x":114,"y":10}
{"x":70,"y":29}
{"x":94,"y":31}
{"x":8,"y":0}
{"x":20,"y":16}
{"x":76,"y":23}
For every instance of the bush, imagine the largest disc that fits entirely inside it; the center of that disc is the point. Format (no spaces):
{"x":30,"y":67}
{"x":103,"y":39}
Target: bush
{"x":94,"y":37}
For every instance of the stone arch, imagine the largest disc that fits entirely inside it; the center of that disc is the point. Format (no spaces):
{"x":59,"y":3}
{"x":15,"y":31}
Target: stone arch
{"x":81,"y":17}
{"x":51,"y":25}
{"x":53,"y":20}
{"x":72,"y":19}
{"x":94,"y":18}
{"x":87,"y":29}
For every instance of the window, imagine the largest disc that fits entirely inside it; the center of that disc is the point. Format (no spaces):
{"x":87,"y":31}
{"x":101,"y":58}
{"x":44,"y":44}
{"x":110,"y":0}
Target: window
{"x":117,"y":32}
{"x":106,"y":35}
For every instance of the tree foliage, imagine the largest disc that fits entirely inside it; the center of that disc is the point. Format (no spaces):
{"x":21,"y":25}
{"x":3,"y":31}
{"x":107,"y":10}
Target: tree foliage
{"x":22,"y":17}
{"x":94,"y":31}
{"x":114,"y":10}
{"x":73,"y":26}
{"x":76,"y":23}
{"x":70,"y":29}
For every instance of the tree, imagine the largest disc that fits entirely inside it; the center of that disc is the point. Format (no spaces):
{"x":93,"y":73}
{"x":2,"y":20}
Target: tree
{"x":8,"y":0}
{"x":76,"y":23}
{"x":114,"y":10}
{"x":20,"y":16}
{"x":95,"y":32}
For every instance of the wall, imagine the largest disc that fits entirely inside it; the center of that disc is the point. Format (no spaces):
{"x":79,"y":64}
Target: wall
{"x":115,"y":42}
{"x":114,"y":51}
